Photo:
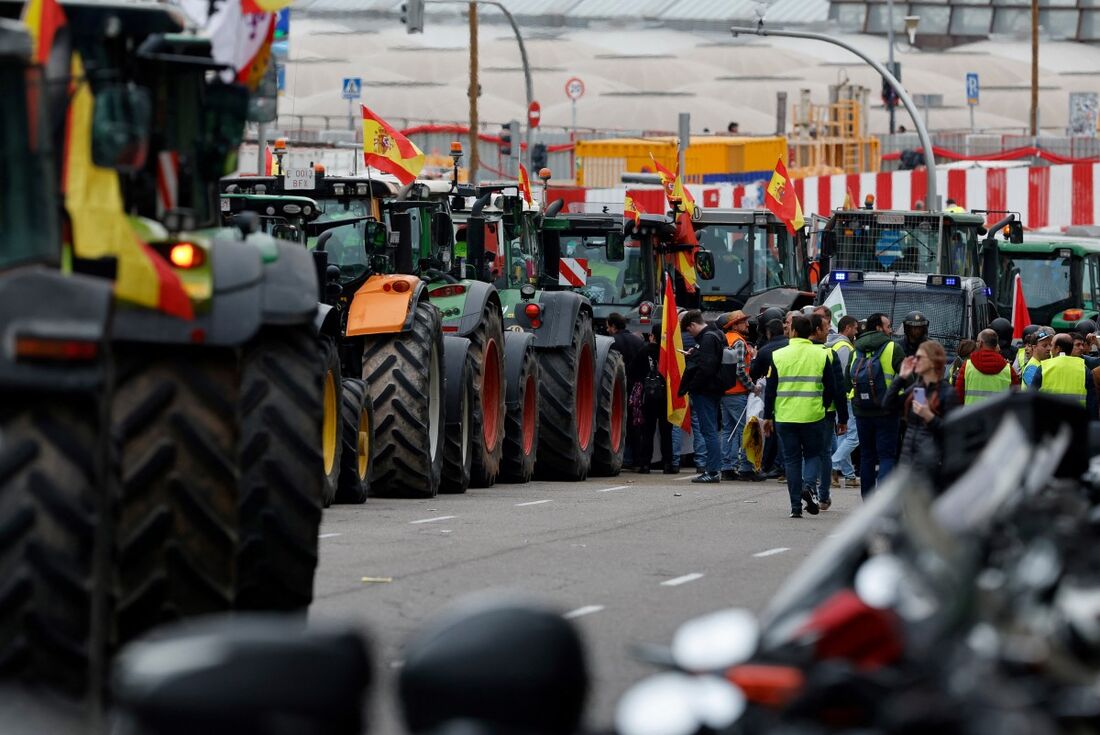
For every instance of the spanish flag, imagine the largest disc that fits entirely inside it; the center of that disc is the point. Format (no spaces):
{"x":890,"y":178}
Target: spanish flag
{"x":671,"y":362}
{"x":782,"y":200}
{"x":100,"y":228}
{"x":388,"y":150}
{"x":674,"y":188}
{"x":631,"y":210}
{"x":525,"y":186}
{"x":43,"y":18}
{"x":685,"y":260}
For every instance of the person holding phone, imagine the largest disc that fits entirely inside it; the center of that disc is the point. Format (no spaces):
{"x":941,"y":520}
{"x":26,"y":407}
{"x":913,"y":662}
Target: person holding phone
{"x":924,"y":397}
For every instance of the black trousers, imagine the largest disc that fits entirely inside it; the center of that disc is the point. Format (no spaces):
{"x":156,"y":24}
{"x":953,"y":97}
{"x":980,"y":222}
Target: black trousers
{"x":654,"y":420}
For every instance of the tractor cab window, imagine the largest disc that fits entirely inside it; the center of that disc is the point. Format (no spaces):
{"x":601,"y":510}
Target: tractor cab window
{"x":732,"y":246}
{"x":1090,"y":282}
{"x":769,"y":267}
{"x":1046,"y":280}
{"x":962,"y":250}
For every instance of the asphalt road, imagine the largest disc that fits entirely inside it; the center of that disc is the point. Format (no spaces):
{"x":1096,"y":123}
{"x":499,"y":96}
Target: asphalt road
{"x":628,"y":558}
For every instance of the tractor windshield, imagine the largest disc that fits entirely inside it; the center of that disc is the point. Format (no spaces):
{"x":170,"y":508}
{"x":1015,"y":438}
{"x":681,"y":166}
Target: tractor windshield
{"x":747,"y":259}
{"x":1047,"y":278}
{"x":609,"y":282}
{"x":891,"y":242}
{"x":345,"y":246}
{"x":29,"y":232}
{"x":516,"y":261}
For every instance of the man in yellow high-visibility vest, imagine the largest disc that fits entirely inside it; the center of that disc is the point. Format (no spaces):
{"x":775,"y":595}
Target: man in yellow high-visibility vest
{"x":986,"y":373}
{"x":1066,"y":376}
{"x":800,"y":386}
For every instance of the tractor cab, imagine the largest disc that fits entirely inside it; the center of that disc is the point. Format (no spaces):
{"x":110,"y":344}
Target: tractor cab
{"x":500,"y":234}
{"x":880,"y":241}
{"x":588,"y":253}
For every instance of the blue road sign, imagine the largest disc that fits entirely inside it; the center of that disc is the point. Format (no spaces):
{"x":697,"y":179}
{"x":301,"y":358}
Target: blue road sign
{"x":352,"y":89}
{"x":889,"y":247}
{"x":972,"y":88}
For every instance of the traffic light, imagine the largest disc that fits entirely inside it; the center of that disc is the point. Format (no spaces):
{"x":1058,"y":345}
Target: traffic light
{"x":506,"y":140}
{"x":538,"y":156}
{"x":412,"y":15}
{"x":889,"y":96}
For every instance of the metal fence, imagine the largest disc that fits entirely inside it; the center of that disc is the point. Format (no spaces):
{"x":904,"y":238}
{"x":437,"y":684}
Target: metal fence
{"x":979,"y":144}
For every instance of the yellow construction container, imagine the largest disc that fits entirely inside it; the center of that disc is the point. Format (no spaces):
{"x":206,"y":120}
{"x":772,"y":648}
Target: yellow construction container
{"x":709,"y":158}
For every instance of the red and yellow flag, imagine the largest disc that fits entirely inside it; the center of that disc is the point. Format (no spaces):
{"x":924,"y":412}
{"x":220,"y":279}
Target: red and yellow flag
{"x":674,"y":188}
{"x":685,"y":260}
{"x":781,"y":199}
{"x":100,"y":227}
{"x":671,"y":363}
{"x":631,"y":210}
{"x":43,"y":19}
{"x":263,"y":6}
{"x":388,"y":150}
{"x":525,"y":185}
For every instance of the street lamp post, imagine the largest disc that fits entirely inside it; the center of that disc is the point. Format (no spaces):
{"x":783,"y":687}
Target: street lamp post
{"x":890,"y":52}
{"x":918,"y":123}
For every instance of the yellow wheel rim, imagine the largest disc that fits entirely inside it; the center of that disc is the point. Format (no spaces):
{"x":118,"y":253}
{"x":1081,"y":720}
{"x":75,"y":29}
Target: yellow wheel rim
{"x":364,"y":444}
{"x":328,"y":429}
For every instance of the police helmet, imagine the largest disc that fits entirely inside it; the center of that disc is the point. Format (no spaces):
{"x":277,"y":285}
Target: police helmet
{"x":915,"y":319}
{"x":1003,"y":328}
{"x":770,"y":313}
{"x":1085,"y":326}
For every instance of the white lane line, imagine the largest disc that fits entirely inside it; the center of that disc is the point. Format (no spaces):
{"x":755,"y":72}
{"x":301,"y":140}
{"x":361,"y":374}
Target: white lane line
{"x":617,"y":487}
{"x":328,"y":535}
{"x":771,"y":552}
{"x":533,"y":502}
{"x":681,"y":580}
{"x":586,"y":610}
{"x":433,"y":520}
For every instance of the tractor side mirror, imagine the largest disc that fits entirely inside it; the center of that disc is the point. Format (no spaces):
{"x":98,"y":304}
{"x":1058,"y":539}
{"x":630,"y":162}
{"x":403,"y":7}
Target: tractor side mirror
{"x":120,"y":127}
{"x":616,"y":248}
{"x":375,"y":237}
{"x":828,"y":244}
{"x":286,"y":232}
{"x":704,"y":264}
{"x":990,"y":261}
{"x":403,"y":233}
{"x":1016,"y":232}
{"x":475,"y":240}
{"x":224,"y":112}
{"x":443,"y":231}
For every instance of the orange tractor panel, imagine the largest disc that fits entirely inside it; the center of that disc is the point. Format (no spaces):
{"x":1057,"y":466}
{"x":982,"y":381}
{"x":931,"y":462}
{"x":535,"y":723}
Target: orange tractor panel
{"x":381,"y":305}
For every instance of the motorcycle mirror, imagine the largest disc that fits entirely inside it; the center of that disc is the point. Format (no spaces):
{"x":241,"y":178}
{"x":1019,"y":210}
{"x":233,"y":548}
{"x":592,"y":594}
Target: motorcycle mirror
{"x":716,"y":641}
{"x":878,"y":581}
{"x":677,"y":704}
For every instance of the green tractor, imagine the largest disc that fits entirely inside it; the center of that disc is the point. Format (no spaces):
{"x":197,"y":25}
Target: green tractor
{"x":55,"y":375}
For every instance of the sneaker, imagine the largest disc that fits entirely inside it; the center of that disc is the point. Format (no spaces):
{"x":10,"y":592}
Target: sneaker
{"x":811,"y":502}
{"x":708,"y":478}
{"x":836,"y":479}
{"x":750,"y":477}
{"x":729,"y":475}
{"x":851,"y":481}
{"x":825,"y":504}
{"x":795,"y":513}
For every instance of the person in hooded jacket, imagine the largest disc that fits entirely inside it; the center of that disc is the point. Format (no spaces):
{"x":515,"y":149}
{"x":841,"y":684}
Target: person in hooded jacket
{"x":921,"y":394}
{"x":986,"y":373}
{"x":877,"y":427}
{"x":1003,"y":329}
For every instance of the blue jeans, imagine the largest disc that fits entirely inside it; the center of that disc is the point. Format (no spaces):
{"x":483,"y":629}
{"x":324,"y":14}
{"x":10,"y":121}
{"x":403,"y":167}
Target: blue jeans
{"x":733,"y":424}
{"x":677,"y":443}
{"x":828,"y":443}
{"x":801,"y":444}
{"x":706,"y":409}
{"x":842,"y":457}
{"x":878,"y":445}
{"x":698,"y":444}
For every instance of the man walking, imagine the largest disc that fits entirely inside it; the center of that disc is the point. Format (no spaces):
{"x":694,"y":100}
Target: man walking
{"x":799,"y":388}
{"x":843,"y":346}
{"x":878,"y":359}
{"x":836,"y":413}
{"x":735,"y":466}
{"x":701,"y":381}
{"x":986,"y":373}
{"x":1065,"y":375}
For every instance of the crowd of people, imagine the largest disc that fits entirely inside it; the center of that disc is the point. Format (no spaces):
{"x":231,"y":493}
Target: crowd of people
{"x":822,"y":389}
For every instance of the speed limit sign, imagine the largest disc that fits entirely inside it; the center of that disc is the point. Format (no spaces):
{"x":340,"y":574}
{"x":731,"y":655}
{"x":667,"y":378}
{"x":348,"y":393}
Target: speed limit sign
{"x":574,"y":89}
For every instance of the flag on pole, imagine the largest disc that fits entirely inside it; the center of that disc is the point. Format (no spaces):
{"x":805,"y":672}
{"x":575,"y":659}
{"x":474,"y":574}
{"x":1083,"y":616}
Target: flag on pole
{"x":780,"y":198}
{"x":525,"y":186}
{"x":99,"y":225}
{"x":388,"y":150}
{"x":836,"y":306}
{"x":631,"y":210}
{"x":1020,"y":315}
{"x":240,"y":34}
{"x":674,"y":187}
{"x":43,"y":18}
{"x":671,"y":363}
{"x":684,"y":260}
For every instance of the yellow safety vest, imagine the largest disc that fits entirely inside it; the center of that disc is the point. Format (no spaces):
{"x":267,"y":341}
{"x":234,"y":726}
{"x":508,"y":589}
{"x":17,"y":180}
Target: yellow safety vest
{"x":799,"y":367}
{"x":977,"y":386}
{"x":1064,"y":376}
{"x":851,"y":358}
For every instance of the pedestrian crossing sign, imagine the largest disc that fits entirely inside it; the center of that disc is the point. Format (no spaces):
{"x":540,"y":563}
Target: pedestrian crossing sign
{"x":353,"y":87}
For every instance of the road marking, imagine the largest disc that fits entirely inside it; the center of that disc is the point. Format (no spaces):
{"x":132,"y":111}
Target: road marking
{"x":681,"y":580}
{"x":433,"y":520}
{"x":771,"y":552}
{"x":328,"y":535}
{"x":586,"y":610}
{"x":617,"y":487}
{"x":533,"y":502}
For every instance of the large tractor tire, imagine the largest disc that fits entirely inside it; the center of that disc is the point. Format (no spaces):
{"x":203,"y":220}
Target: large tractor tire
{"x":521,"y":418}
{"x":458,"y":447}
{"x":611,"y":398}
{"x":404,"y":376}
{"x":487,"y":436}
{"x":283,"y":412}
{"x":331,"y":444}
{"x":357,"y":435}
{"x":567,"y":410}
{"x":51,"y":503}
{"x":174,"y":424}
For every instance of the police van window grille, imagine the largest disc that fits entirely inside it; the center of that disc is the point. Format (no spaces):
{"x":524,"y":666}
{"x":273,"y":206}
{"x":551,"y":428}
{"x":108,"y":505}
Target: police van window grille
{"x":886,"y":242}
{"x":946,"y":310}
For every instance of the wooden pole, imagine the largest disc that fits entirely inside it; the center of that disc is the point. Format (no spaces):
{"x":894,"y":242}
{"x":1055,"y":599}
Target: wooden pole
{"x":474,"y":158}
{"x":1034,"y":67}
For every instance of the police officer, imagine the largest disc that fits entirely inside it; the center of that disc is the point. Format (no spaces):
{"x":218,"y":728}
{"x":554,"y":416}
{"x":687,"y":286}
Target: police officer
{"x":1003,"y":328}
{"x":1065,"y":375}
{"x":800,"y":386}
{"x":916,"y":331}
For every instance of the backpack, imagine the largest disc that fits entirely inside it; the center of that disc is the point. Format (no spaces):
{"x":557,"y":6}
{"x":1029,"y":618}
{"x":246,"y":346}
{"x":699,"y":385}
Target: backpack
{"x":653,"y":385}
{"x":727,"y":371}
{"x":868,"y":379}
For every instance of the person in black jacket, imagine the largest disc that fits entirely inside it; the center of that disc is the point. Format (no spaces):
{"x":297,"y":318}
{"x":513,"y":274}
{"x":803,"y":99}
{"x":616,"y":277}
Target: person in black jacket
{"x":921,"y":394}
{"x":702,"y":383}
{"x":626,"y":342}
{"x":650,"y":415}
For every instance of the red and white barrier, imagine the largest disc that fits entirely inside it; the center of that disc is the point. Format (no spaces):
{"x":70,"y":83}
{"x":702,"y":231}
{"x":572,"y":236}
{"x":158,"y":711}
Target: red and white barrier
{"x":1047,"y":197}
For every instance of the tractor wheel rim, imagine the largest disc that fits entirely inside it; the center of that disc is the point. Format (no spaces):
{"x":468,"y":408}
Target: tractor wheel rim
{"x":490,"y":394}
{"x":435,"y":407}
{"x":363,"y":444}
{"x":530,"y":396}
{"x":329,"y":419}
{"x":617,"y":415}
{"x":584,"y":397}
